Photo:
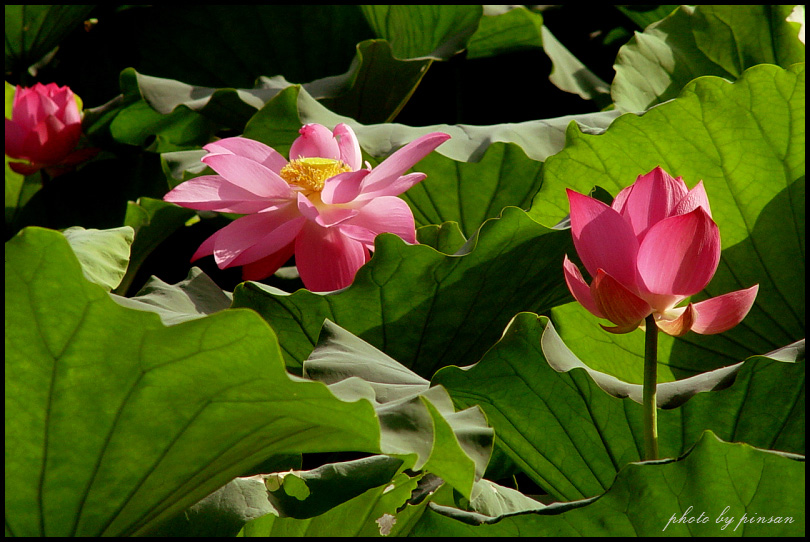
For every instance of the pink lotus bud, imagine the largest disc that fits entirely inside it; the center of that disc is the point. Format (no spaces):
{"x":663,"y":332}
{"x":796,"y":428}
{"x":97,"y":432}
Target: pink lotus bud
{"x":654,"y":247}
{"x":44,"y":130}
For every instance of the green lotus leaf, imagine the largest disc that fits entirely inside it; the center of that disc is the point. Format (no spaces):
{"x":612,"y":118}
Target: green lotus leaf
{"x":329,"y":485}
{"x":715,"y":489}
{"x":702,"y":40}
{"x":106,"y":408}
{"x":32,"y":31}
{"x":571,"y":437}
{"x":571,"y":75}
{"x":539,"y":139}
{"x":182,"y":115}
{"x":493,"y":500}
{"x":195,"y":297}
{"x":470,"y":193}
{"x":376,"y":87}
{"x":103,"y":254}
{"x":223,"y":512}
{"x":446,"y":237}
{"x":341,"y":358}
{"x":506,"y":29}
{"x":669,"y":394}
{"x":646,"y":14}
{"x":299,"y":494}
{"x":424,"y":31}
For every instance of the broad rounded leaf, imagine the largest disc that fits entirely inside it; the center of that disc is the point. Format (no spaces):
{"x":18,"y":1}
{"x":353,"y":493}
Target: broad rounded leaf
{"x":106,"y":408}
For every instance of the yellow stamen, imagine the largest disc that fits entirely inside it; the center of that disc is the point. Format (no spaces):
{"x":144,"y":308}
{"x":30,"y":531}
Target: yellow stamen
{"x":311,"y":173}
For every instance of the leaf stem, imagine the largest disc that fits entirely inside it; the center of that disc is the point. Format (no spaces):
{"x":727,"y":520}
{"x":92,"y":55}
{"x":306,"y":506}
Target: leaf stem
{"x":649,"y":389}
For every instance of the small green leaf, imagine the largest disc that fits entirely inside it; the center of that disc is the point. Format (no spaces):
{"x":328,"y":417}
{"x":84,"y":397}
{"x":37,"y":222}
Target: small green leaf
{"x":103,"y":254}
{"x":295,"y":487}
{"x":507,"y":30}
{"x":154,"y":221}
{"x":195,"y":297}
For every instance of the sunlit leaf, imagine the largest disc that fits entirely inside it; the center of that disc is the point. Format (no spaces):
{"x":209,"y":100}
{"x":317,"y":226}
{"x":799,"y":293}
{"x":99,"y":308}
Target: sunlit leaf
{"x":703,"y":40}
{"x":506,"y":29}
{"x":571,"y":75}
{"x":103,"y":254}
{"x":470,"y":193}
{"x":376,"y":87}
{"x":106,"y":408}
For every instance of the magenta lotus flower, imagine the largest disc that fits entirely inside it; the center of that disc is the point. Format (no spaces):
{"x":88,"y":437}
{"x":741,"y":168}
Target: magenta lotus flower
{"x":654,"y":247}
{"x":321,"y":205}
{"x":44,"y":130}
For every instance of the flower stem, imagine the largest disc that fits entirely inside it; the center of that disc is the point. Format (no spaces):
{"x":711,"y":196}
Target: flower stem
{"x":649,"y":390}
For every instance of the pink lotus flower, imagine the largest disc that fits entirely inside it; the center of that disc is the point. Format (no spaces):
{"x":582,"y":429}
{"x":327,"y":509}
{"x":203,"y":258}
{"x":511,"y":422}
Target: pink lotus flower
{"x":654,"y":247}
{"x":321,"y":205}
{"x":44,"y":129}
